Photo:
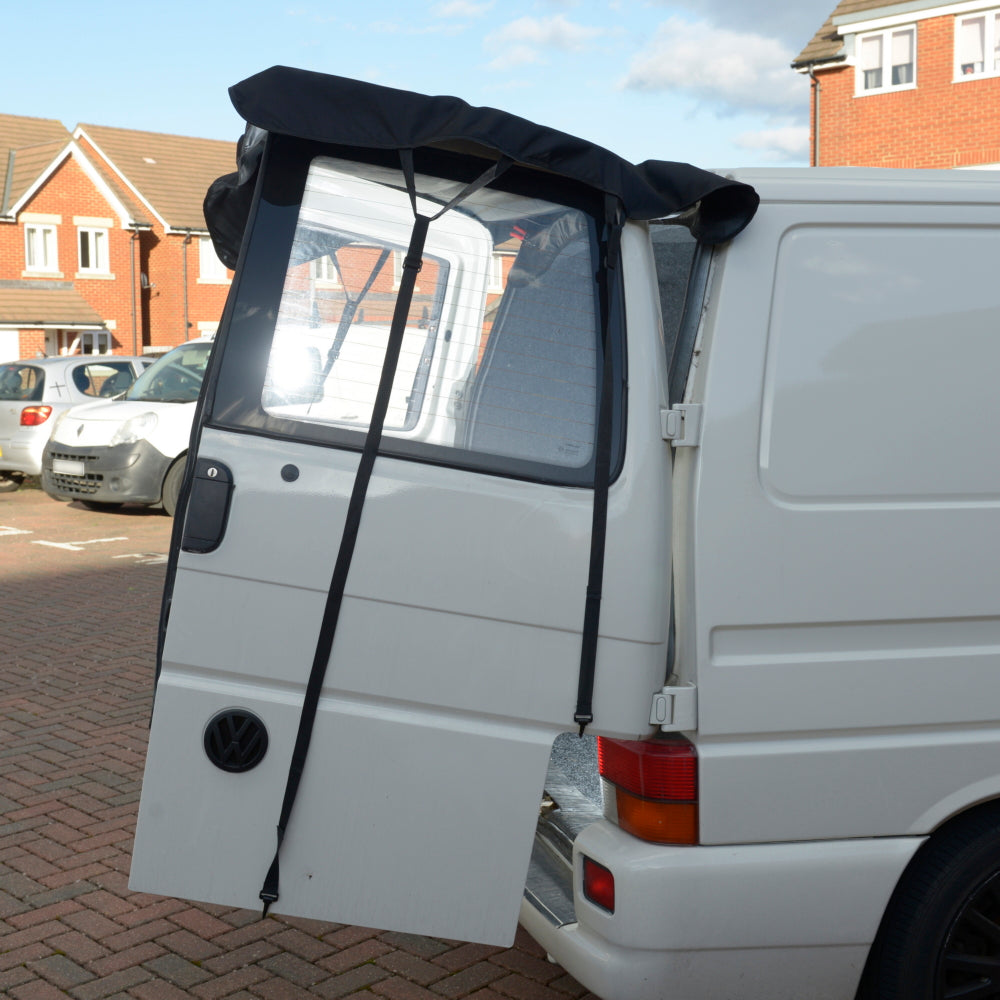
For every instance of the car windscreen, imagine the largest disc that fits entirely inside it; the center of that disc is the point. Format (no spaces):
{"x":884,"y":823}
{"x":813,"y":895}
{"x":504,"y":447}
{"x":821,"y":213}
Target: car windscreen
{"x":21,"y":382}
{"x":174,"y":378}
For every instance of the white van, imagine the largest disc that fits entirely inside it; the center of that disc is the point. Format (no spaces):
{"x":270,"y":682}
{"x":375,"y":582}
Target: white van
{"x":713,"y":483}
{"x":133,"y":449}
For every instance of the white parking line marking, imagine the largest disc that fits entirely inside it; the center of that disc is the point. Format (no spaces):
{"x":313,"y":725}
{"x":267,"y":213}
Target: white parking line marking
{"x":4,"y":530}
{"x":78,"y":546}
{"x":144,"y":558}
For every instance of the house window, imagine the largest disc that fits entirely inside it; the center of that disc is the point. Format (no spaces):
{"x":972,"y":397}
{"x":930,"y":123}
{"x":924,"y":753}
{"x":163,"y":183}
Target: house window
{"x":94,"y":250}
{"x":40,"y":248}
{"x":496,"y":272}
{"x":977,"y":45}
{"x":886,"y":60}
{"x":210,"y":268}
{"x":323,"y":271}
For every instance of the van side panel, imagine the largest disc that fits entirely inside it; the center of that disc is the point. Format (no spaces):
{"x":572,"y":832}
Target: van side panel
{"x":845,"y":522}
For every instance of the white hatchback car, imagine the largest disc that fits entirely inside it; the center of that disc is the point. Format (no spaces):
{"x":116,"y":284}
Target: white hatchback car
{"x":33,"y":393}
{"x":133,"y":450}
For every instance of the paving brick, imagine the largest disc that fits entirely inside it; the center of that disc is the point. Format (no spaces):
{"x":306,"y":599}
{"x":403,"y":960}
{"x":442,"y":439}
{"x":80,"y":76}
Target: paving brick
{"x":239,"y":957}
{"x":177,"y":970}
{"x":351,"y":981}
{"x":62,"y":971}
{"x":415,"y":969}
{"x":521,"y":988}
{"x":348,"y":958}
{"x":425,"y":947}
{"x":303,"y":945}
{"x":37,"y":989}
{"x":118,"y":961}
{"x":463,"y":955}
{"x":77,"y":946}
{"x":294,"y":969}
{"x":223,"y":986}
{"x":188,"y":946}
{"x":459,"y":984}
{"x":159,"y":989}
{"x":198,"y":922}
{"x":402,"y":989}
{"x":117,"y":982}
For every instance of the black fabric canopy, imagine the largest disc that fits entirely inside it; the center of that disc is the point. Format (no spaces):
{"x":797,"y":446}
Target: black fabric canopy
{"x":334,"y":109}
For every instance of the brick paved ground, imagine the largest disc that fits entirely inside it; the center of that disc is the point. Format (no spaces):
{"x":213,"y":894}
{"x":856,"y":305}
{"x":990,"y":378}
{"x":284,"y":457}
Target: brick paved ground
{"x":79,"y":597}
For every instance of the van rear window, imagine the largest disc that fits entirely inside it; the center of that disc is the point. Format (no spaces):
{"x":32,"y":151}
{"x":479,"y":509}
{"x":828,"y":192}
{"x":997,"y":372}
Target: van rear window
{"x":500,"y":360}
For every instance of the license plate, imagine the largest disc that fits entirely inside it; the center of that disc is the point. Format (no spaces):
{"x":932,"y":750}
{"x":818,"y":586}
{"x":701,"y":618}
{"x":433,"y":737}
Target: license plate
{"x":67,"y":467}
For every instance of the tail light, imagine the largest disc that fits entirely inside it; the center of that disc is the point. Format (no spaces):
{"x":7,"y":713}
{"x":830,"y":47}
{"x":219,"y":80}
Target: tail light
{"x":32,"y":416}
{"x":598,"y":884}
{"x":656,"y":787}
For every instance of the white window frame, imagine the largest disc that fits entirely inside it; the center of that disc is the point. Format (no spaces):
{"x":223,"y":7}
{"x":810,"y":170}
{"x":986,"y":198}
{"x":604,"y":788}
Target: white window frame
{"x":98,"y":246}
{"x":211,"y":270}
{"x":885,"y":39}
{"x":495,"y":283}
{"x":323,"y":271}
{"x":991,"y":45}
{"x":50,"y":262}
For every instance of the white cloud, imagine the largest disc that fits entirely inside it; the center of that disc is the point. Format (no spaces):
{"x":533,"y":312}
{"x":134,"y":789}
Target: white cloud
{"x":461,"y":8}
{"x":736,"y":71}
{"x":794,"y":23}
{"x":786,"y":142}
{"x":528,"y":38}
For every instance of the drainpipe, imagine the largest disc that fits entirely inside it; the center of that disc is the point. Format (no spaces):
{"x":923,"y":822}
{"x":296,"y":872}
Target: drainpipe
{"x":815,"y":97}
{"x":135,"y":345}
{"x":187,"y":324}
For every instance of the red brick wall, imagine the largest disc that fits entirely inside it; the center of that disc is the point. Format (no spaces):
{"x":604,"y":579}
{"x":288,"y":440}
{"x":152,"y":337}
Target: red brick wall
{"x":938,"y":124}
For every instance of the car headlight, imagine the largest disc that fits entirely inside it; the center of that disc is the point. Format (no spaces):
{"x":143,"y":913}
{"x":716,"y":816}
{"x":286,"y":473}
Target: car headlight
{"x":134,"y":429}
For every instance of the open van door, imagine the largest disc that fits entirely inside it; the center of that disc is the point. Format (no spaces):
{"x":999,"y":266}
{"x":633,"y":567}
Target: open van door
{"x":376,"y":606}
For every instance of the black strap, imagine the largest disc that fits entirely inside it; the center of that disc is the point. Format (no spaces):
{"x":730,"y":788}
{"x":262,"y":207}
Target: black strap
{"x":334,"y":599}
{"x":609,"y":284}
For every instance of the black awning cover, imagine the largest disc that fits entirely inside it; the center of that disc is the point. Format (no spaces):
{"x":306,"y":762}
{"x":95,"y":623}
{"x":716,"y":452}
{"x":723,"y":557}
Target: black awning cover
{"x":337,"y":110}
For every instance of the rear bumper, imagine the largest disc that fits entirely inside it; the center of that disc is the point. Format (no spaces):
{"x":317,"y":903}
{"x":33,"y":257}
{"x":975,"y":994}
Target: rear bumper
{"x":22,"y":451}
{"x":127,"y":473}
{"x":758,"y":922}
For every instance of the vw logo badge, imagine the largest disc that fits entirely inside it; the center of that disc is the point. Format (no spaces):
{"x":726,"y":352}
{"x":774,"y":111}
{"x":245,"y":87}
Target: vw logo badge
{"x":235,"y":740}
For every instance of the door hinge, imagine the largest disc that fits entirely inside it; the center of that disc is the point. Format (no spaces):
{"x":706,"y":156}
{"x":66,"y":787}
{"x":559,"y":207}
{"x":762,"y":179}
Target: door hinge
{"x":681,"y":425}
{"x":675,"y":708}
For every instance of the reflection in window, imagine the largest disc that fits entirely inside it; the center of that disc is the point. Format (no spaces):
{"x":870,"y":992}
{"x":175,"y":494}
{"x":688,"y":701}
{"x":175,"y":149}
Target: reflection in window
{"x":499,"y":351}
{"x":977,"y":45}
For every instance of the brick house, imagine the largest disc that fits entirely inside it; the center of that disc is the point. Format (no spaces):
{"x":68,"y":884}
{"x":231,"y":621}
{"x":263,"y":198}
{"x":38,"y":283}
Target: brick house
{"x":103,"y":244}
{"x":913,"y":84}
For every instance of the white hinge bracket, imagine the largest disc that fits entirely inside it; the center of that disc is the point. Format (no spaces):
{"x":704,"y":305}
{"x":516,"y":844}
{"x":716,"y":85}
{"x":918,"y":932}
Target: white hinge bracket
{"x":681,"y":425}
{"x":675,"y":708}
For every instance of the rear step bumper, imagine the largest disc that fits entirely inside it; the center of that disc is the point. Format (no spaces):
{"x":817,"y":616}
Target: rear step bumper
{"x":567,"y":811}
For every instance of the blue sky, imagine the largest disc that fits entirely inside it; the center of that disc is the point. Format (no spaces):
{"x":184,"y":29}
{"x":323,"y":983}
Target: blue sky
{"x":706,"y":81}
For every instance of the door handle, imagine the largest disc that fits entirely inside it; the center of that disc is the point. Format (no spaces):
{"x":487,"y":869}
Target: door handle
{"x":208,"y":506}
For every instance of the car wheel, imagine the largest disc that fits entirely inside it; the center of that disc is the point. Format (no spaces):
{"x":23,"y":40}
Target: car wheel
{"x":10,"y":481}
{"x":940,"y":938}
{"x":101,"y":505}
{"x":172,"y":485}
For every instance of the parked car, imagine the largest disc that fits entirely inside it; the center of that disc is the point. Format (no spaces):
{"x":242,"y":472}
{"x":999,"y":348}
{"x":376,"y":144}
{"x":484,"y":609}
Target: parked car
{"x":33,"y":393}
{"x":133,"y":450}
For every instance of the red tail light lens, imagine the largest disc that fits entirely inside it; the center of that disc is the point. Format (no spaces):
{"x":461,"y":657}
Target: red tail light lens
{"x":32,"y":416}
{"x":656,"y":787}
{"x":598,"y":884}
